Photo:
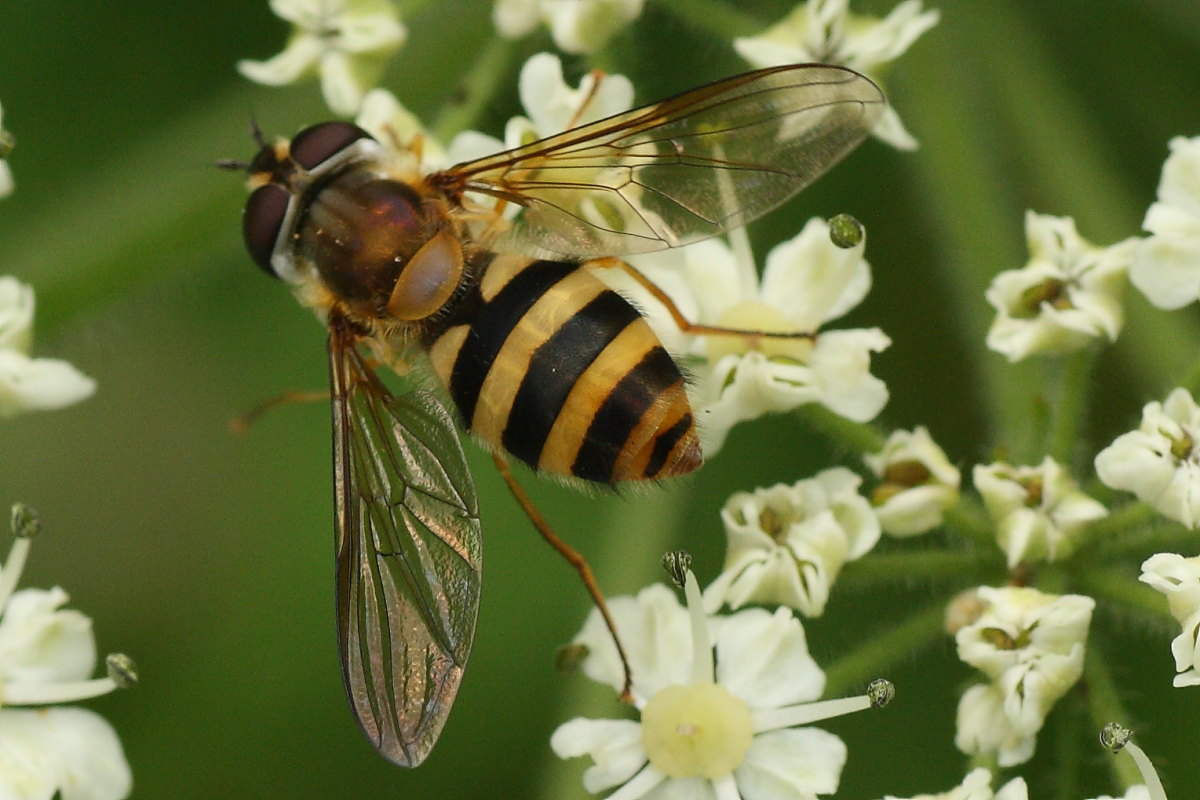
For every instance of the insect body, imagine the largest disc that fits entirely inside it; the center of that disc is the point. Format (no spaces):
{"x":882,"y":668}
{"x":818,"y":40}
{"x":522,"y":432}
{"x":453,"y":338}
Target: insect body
{"x":538,"y":356}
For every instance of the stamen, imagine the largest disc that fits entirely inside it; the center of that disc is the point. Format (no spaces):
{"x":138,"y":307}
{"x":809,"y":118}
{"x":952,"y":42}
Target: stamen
{"x":10,"y":573}
{"x":878,"y":695}
{"x":702,"y":653}
{"x":1115,"y":738}
{"x":37,"y":694}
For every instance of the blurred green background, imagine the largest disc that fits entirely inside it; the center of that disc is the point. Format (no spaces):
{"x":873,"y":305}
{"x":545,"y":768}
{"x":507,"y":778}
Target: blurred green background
{"x":207,"y":555}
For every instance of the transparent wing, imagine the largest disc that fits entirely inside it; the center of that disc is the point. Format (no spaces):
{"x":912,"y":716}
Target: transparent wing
{"x":408,"y":555}
{"x":679,"y":170}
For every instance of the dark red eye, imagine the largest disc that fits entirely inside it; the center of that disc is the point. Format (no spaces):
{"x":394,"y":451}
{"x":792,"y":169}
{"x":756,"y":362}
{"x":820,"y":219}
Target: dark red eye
{"x":261,"y":222}
{"x":314,"y":145}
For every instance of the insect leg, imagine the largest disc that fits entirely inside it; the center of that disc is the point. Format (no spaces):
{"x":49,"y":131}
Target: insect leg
{"x":242,"y":422}
{"x":686,"y":325}
{"x":573,"y":558}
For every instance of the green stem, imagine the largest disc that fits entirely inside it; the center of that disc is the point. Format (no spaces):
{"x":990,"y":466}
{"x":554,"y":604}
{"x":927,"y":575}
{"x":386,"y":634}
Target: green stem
{"x":899,"y":642}
{"x":1104,"y":706}
{"x":715,"y":18}
{"x":1070,"y":406}
{"x":858,"y":437}
{"x":490,"y":71}
{"x":968,"y":520}
{"x":923,"y":566}
{"x":1068,"y":754}
{"x":1125,"y":593}
{"x":1191,"y":378}
{"x":1161,"y":538}
{"x":1116,"y":524}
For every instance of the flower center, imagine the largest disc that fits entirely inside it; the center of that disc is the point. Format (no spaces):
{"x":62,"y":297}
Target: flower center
{"x":751,"y":315}
{"x":700,"y":730}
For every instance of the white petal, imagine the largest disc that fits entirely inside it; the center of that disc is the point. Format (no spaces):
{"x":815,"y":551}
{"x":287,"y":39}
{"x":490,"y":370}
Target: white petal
{"x":515,"y":18}
{"x":1176,"y":577}
{"x":81,"y":750}
{"x":341,"y":86}
{"x":470,"y":145}
{"x":655,"y":629}
{"x":681,"y":789}
{"x":915,"y":511}
{"x":791,"y":763}
{"x":889,"y":38}
{"x":983,"y":728}
{"x":1167,"y":270}
{"x":841,"y":363}
{"x":16,"y":314}
{"x":1016,"y":789}
{"x":763,"y":659}
{"x":6,"y":179}
{"x":377,"y":33}
{"x":1180,"y":184}
{"x":26,"y":772}
{"x":39,"y":384}
{"x":891,"y":131}
{"x":299,"y":59}
{"x":812,"y":280}
{"x":585,"y":26}
{"x":615,"y":745}
{"x":42,"y":643}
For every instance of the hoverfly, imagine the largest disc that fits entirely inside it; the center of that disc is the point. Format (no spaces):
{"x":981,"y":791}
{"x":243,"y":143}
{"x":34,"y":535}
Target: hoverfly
{"x":539,"y":358}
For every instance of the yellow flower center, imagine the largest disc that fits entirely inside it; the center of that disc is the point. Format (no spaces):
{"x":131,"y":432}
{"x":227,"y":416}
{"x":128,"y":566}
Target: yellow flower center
{"x":696,"y":731}
{"x":751,"y":315}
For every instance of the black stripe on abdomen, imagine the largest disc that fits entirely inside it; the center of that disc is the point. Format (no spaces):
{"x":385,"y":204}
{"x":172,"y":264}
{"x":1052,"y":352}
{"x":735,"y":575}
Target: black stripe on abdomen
{"x":556,"y":366}
{"x":665,"y":443}
{"x":620,"y":413}
{"x":491,"y":325}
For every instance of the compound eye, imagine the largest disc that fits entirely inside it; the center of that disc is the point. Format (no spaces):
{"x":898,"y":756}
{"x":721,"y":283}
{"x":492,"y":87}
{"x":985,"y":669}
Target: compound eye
{"x":262,"y":221}
{"x":315,"y":145}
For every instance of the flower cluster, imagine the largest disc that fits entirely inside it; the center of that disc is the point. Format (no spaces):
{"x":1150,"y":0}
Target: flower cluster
{"x":722,"y":698}
{"x":726,"y":704}
{"x":31,"y":384}
{"x":827,"y":31}
{"x":47,"y":655}
{"x":1038,"y":511}
{"x":1067,"y":296}
{"x":1030,"y":645}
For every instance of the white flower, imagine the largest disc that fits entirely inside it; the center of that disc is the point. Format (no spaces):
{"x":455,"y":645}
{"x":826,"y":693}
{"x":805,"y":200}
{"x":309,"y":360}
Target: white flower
{"x":787,"y":544}
{"x":47,"y":655}
{"x":31,"y":384}
{"x":1038,"y":511}
{"x":807,"y":282}
{"x":1166,"y":265}
{"x":6,"y":146}
{"x":977,"y":786}
{"x":578,"y":26}
{"x":1031,"y":646}
{"x":551,"y":106}
{"x":346,"y":42}
{"x":826,"y":31}
{"x":401,"y":132}
{"x":1179,"y":579}
{"x":1160,"y":461}
{"x":983,"y":727}
{"x":726,"y":731}
{"x":1068,"y":295}
{"x":1138,"y":792}
{"x":918,"y":483}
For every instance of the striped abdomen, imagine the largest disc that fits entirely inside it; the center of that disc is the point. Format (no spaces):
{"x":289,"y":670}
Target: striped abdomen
{"x":564,"y":374}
